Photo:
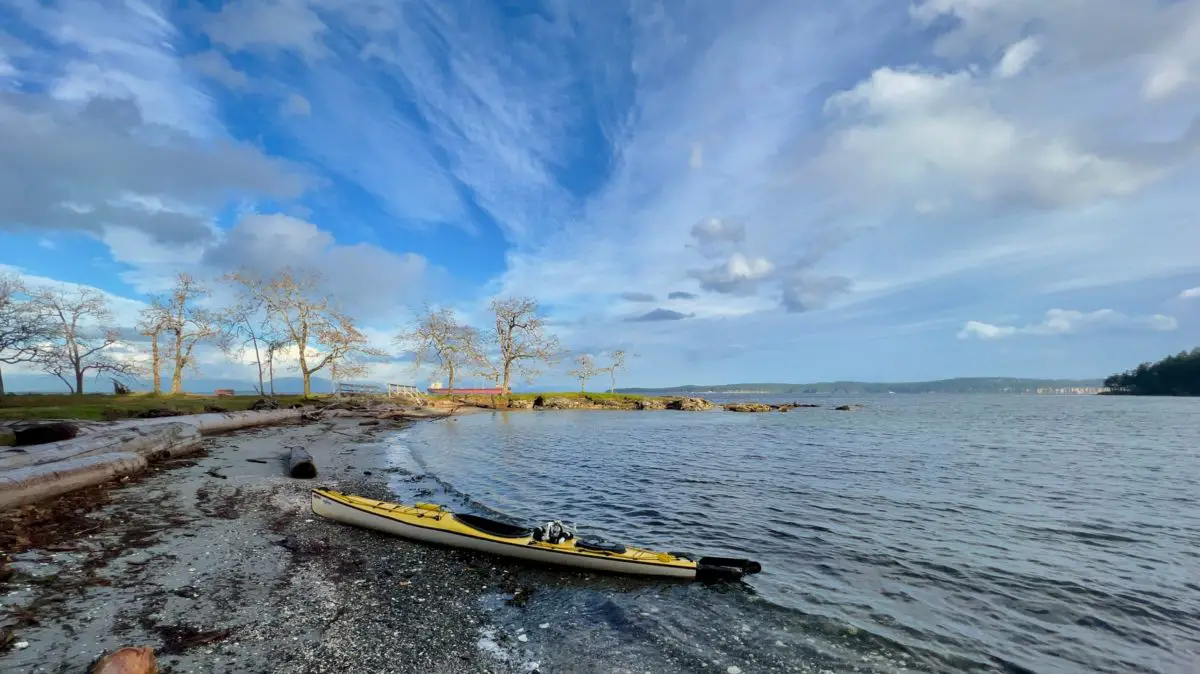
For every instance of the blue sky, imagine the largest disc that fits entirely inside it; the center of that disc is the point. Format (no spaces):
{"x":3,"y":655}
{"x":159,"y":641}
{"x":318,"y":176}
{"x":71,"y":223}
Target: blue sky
{"x":862,"y":189}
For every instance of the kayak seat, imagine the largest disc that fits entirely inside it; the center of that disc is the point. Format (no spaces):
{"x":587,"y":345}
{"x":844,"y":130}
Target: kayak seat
{"x":600,"y":546}
{"x":492,"y":527}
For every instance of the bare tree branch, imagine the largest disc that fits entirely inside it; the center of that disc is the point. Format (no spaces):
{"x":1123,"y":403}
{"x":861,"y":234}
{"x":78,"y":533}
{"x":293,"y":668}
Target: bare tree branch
{"x":25,"y":326}
{"x":83,"y":337}
{"x":585,"y":370}
{"x":522,"y":339}
{"x":617,"y":363}
{"x":438,"y":337}
{"x":322,"y":334}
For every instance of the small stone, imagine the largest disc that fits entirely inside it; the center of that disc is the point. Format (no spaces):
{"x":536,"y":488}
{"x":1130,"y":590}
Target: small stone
{"x":544,"y":626}
{"x":522,"y":638}
{"x":733,"y":669}
{"x":779,"y":643}
{"x":21,"y":645}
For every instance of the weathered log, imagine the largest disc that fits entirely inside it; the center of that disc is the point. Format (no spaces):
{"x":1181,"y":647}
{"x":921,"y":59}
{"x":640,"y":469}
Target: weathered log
{"x":132,"y":660}
{"x":34,"y":483}
{"x":300,"y":464}
{"x":220,"y":422}
{"x":157,"y":441}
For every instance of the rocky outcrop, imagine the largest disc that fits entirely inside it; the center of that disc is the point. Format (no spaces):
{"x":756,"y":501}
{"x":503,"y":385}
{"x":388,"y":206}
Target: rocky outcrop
{"x":689,"y":404}
{"x":650,"y":404}
{"x":748,"y":407}
{"x":520,"y":404}
{"x":848,"y":408}
{"x":557,"y":403}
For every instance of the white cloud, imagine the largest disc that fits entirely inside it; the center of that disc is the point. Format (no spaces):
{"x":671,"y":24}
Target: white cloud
{"x":909,"y":134}
{"x":1067,"y":322}
{"x":985,"y":331}
{"x":214,"y":65}
{"x":1017,"y":57}
{"x":297,"y":105}
{"x":269,"y":25}
{"x":1190,"y":293}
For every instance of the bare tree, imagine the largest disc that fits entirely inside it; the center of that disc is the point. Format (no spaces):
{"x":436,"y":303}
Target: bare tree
{"x":247,"y":326}
{"x":438,"y":337}
{"x":186,"y":325}
{"x":322,"y":334}
{"x":521,"y":338}
{"x":274,"y":346}
{"x":152,"y":322}
{"x":25,"y":326}
{"x":617,"y":363}
{"x":82,"y":339}
{"x":585,"y":369}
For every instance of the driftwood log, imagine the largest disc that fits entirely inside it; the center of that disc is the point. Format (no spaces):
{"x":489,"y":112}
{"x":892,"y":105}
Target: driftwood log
{"x":102,"y":452}
{"x":300,"y":464}
{"x":34,"y":483}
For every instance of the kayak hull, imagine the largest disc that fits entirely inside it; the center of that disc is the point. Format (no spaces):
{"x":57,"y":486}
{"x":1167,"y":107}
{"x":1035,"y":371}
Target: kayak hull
{"x":441,"y":528}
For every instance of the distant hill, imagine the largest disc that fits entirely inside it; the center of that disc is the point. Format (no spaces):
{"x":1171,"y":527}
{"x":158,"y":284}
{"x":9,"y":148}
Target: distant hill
{"x":960,"y":385}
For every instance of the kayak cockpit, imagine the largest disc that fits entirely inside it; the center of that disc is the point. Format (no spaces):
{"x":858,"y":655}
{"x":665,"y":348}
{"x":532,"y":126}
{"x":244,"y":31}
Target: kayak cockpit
{"x":492,"y":527}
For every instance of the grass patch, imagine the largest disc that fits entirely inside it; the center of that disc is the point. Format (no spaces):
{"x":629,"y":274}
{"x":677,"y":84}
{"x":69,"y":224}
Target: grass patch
{"x":105,"y":406}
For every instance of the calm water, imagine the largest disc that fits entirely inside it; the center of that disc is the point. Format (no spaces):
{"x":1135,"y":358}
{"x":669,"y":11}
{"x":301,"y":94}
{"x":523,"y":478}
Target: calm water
{"x":922,"y":533}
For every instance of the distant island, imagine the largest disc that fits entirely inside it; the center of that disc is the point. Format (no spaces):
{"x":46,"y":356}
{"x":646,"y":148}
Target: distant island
{"x":1177,"y":375}
{"x":958,"y":385}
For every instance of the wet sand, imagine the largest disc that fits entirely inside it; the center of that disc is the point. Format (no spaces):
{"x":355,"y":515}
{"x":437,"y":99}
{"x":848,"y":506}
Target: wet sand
{"x":217,"y":563}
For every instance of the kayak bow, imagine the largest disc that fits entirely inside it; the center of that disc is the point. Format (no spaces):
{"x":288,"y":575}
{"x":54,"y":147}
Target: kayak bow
{"x":431,"y":523}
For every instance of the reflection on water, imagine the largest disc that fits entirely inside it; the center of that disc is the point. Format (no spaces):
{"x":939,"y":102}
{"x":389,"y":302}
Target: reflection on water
{"x":926,"y":533}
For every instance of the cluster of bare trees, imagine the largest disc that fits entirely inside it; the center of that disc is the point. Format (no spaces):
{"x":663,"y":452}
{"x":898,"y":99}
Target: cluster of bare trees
{"x":70,"y":334}
{"x":518,"y":344}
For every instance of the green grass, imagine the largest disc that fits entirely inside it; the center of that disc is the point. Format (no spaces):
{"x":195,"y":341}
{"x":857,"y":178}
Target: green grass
{"x":105,"y":406}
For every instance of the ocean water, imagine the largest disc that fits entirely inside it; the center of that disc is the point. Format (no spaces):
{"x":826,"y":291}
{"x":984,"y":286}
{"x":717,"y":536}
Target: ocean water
{"x":922,"y":533}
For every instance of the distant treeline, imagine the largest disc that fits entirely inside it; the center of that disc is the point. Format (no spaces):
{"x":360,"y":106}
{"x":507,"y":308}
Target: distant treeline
{"x":959,"y":385}
{"x":1172,"y":376}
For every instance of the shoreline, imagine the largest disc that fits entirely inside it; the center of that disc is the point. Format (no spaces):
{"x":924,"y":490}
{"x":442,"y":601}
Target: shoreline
{"x":218,"y":564}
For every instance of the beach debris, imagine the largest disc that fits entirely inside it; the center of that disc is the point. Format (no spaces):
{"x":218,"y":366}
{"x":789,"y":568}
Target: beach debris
{"x":213,"y":472}
{"x":257,"y":460}
{"x":300,"y":464}
{"x":264,"y":404}
{"x":129,"y":660}
{"x":369,"y":422}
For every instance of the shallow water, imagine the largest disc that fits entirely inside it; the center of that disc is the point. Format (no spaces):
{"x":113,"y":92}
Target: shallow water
{"x":923,"y":533}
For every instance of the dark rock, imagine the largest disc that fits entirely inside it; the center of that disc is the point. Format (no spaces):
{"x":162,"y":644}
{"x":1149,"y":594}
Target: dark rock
{"x":847,"y":408}
{"x":157,"y":413}
{"x":369,"y":422}
{"x":41,"y":433}
{"x":747,"y":407}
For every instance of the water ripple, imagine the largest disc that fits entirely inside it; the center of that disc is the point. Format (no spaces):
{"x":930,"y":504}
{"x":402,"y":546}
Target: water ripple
{"x":924,"y":533}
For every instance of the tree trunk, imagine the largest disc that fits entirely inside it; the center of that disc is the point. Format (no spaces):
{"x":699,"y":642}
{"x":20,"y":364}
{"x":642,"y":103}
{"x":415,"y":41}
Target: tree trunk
{"x":271,"y":371}
{"x":507,"y":377}
{"x":1,"y":386}
{"x":450,"y":381}
{"x":613,"y":374}
{"x":78,"y":382}
{"x":156,"y":364}
{"x":305,"y":374}
{"x":258,"y":362}
{"x":177,"y":375}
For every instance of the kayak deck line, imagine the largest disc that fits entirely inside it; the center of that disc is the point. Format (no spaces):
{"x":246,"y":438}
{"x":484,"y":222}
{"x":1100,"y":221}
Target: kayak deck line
{"x":435,"y":524}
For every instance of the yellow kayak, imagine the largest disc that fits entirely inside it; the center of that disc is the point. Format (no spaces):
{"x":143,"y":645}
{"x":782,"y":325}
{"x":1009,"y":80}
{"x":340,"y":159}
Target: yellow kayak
{"x":432,"y":523}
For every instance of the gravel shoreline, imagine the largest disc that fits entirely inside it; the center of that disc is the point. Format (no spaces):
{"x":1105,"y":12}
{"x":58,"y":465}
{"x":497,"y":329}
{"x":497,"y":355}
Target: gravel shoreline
{"x":217,"y":563}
